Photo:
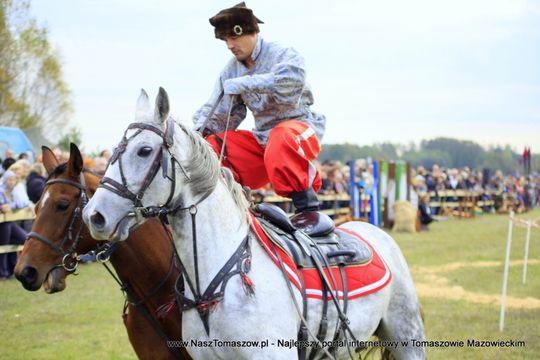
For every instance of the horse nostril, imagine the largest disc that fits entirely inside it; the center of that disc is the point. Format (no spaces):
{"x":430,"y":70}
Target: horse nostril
{"x":97,"y":220}
{"x":28,"y":275}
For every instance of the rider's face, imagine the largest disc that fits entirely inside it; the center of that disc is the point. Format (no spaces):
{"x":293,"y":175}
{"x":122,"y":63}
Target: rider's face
{"x":241,"y":46}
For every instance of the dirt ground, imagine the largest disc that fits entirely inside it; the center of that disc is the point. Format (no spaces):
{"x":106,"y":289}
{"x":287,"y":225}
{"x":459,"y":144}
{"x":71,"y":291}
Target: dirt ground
{"x":431,"y":282}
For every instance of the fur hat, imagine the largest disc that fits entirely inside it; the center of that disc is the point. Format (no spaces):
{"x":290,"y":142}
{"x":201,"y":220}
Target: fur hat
{"x":235,"y":21}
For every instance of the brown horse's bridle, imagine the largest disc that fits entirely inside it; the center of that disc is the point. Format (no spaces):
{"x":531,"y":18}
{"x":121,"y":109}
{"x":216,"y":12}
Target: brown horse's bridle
{"x":69,"y":257}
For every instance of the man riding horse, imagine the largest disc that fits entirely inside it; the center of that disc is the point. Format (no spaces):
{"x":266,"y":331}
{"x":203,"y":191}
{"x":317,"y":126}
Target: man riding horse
{"x":270,"y":81}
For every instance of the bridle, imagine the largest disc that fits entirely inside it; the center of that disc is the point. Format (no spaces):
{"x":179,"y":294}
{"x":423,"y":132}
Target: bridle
{"x":159,"y":161}
{"x":238,"y":264}
{"x":70,"y":259}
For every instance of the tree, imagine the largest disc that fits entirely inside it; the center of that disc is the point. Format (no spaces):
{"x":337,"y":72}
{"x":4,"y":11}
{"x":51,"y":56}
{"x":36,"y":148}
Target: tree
{"x":428,"y":158}
{"x":32,"y":90}
{"x":445,"y":152}
{"x":502,"y":159}
{"x":462,"y":153}
{"x":73,"y":136}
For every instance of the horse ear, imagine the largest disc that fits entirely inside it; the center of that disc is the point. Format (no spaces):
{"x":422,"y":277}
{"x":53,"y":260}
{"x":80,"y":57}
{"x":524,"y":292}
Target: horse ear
{"x":75,"y":162}
{"x":143,"y":105}
{"x":162,"y":106}
{"x":49,"y":159}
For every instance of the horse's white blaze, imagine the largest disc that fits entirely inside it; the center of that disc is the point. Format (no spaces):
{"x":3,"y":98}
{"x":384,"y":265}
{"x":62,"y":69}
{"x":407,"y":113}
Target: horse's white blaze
{"x":392,"y":312}
{"x":45,"y":198}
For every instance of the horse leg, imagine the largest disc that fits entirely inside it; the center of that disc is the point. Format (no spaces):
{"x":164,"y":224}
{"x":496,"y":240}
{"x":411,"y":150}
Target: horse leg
{"x":143,"y":338}
{"x":400,"y":330}
{"x":403,"y":322}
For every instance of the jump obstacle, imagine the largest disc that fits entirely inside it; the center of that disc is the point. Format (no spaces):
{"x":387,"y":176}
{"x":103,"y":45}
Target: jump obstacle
{"x":373,"y":199}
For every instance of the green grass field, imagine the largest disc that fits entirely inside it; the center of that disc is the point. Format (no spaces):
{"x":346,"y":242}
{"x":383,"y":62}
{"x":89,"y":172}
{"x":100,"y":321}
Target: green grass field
{"x":457,"y":265}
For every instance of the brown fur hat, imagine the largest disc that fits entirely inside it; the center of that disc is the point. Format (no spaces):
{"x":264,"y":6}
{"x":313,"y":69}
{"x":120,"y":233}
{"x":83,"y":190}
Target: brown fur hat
{"x":235,"y":21}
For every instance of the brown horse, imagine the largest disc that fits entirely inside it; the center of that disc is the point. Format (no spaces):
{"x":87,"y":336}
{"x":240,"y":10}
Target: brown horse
{"x":144,"y":263}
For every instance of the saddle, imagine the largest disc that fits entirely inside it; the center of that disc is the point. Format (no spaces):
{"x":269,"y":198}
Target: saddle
{"x":311,"y":240}
{"x":311,"y":234}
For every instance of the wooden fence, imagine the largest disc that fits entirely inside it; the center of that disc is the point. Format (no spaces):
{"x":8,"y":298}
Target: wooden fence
{"x":18,"y":215}
{"x":463,"y":202}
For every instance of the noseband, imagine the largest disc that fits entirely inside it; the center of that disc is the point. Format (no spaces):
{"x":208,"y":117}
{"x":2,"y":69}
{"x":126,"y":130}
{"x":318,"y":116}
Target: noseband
{"x":69,"y":257}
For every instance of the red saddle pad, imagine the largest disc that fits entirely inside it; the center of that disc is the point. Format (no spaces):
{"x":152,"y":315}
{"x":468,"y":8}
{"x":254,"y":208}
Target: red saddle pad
{"x":362,"y":279}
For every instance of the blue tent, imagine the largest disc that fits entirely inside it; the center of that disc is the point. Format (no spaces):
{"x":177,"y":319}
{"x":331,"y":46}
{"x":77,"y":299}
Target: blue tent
{"x":15,"y":139}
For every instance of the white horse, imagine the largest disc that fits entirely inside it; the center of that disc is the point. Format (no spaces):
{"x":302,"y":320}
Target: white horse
{"x":160,"y":164}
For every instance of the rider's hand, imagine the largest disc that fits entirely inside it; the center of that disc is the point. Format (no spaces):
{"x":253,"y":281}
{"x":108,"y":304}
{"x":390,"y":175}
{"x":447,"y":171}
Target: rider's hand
{"x":205,"y":132}
{"x":233,"y":87}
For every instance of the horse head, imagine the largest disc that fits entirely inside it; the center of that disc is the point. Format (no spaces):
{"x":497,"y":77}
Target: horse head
{"x":58,"y":230}
{"x":157,"y":164}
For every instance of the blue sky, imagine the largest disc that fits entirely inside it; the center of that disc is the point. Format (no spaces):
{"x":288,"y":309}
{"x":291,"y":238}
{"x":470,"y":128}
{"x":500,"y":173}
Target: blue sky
{"x":398,"y":71}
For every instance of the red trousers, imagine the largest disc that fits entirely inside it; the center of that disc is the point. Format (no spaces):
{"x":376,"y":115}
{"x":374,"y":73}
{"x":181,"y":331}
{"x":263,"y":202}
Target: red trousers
{"x":285,"y":161}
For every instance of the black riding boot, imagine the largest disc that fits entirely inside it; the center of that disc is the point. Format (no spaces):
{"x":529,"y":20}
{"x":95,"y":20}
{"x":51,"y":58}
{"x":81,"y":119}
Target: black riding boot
{"x":305,"y":201}
{"x":307,"y":217}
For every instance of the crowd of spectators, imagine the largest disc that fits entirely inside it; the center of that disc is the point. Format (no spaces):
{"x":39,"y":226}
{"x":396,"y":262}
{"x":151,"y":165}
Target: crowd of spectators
{"x":506,"y":192}
{"x":13,"y":196}
{"x":22,"y":182}
{"x":510,"y":192}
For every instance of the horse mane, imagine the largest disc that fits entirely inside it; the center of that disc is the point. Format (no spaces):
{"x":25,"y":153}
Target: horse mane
{"x":204,"y":170}
{"x":235,"y":188}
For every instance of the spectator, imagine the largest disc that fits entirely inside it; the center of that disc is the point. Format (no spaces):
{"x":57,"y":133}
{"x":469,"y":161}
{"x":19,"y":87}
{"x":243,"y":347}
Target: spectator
{"x":10,"y":232}
{"x":89,"y":163}
{"x":106,"y":154}
{"x":35,"y":182}
{"x":21,"y":168}
{"x":425,"y":211}
{"x":10,"y":154}
{"x":100,"y":165}
{"x":8,"y":161}
{"x":39,"y":159}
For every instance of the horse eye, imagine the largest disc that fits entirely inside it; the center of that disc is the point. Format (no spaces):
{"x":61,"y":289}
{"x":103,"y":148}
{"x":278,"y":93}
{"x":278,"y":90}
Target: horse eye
{"x":62,"y":206}
{"x":144,"y":151}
